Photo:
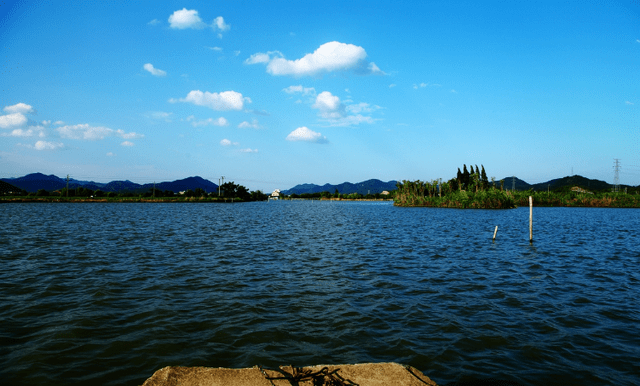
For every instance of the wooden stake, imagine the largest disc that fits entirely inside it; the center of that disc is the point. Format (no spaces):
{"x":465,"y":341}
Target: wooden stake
{"x":494,"y":233}
{"x":530,"y":219}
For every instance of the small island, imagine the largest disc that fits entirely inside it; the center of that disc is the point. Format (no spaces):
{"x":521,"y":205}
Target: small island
{"x":471,"y":189}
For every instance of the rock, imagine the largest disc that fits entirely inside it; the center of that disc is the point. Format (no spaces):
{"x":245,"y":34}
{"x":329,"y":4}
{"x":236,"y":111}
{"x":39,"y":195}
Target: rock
{"x":364,"y":374}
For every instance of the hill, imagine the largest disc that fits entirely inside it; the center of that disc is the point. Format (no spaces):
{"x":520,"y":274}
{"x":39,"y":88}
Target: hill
{"x":370,"y":186}
{"x":36,"y":181}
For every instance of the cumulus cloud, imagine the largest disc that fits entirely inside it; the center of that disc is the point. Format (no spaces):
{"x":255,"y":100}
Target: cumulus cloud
{"x":20,"y":108}
{"x":31,"y":131}
{"x":226,"y":100}
{"x":305,"y":134}
{"x":12,"y":120}
{"x":92,"y":133}
{"x":337,"y":113}
{"x":126,"y":143}
{"x":154,"y":71}
{"x":246,"y":125}
{"x":208,"y":122}
{"x":185,"y":18}
{"x":261,"y":57}
{"x":332,"y":56}
{"x":329,"y":105}
{"x":43,"y":145}
{"x":218,"y":23}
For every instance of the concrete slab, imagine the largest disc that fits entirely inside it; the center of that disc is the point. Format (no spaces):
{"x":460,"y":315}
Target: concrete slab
{"x":363,"y":374}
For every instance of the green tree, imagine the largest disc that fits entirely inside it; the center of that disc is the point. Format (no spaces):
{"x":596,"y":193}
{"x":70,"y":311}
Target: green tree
{"x":485,"y":180}
{"x":465,"y":177}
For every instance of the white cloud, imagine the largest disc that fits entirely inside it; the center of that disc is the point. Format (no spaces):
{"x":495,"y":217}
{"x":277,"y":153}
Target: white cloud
{"x":249,"y":150}
{"x":58,"y":123}
{"x":32,"y":131}
{"x":43,"y":145}
{"x":261,"y":57}
{"x":160,"y":115}
{"x":110,"y":154}
{"x":219,"y":23}
{"x":392,"y":85}
{"x":332,"y":56}
{"x":208,"y":122}
{"x":226,"y":142}
{"x":46,"y":122}
{"x":12,"y":120}
{"x":329,"y":105}
{"x":628,"y":103}
{"x":154,"y":71}
{"x":20,"y":108}
{"x":215,"y":48}
{"x":300,"y":89}
{"x":226,"y":100}
{"x":92,"y":133}
{"x":126,"y":143}
{"x":362,"y":108}
{"x":246,"y":125}
{"x":186,"y":19}
{"x":350,"y":120}
{"x":336,"y":113}
{"x":154,"y":22}
{"x":305,"y":134}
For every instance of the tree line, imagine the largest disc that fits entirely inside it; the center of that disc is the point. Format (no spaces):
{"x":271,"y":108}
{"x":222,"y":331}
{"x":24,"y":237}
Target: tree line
{"x":228,"y":190}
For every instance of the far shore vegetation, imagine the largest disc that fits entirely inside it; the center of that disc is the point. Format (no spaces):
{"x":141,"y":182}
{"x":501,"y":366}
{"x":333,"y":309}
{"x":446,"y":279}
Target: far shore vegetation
{"x":471,"y":189}
{"x":228,"y":192}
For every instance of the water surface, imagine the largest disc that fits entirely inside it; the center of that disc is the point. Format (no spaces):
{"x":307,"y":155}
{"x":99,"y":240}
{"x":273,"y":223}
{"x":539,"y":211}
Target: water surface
{"x":109,"y":293}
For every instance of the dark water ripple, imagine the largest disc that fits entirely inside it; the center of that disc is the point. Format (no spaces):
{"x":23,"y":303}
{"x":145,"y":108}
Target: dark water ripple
{"x":109,"y":293}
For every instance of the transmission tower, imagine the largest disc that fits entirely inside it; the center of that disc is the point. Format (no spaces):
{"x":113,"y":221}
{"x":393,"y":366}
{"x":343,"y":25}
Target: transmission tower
{"x":616,"y":175}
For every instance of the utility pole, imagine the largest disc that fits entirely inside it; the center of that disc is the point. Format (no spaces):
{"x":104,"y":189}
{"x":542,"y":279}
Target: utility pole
{"x":616,"y":175}
{"x":219,"y":184}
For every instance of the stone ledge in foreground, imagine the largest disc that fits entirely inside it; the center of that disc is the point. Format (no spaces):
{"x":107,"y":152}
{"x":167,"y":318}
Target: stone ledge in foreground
{"x":364,"y":374}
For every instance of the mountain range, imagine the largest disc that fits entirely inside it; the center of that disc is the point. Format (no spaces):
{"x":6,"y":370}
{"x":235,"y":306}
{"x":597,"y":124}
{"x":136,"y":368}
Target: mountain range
{"x":36,"y":181}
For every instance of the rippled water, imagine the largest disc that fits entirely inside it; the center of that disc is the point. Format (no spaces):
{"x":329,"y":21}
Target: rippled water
{"x":109,"y":293}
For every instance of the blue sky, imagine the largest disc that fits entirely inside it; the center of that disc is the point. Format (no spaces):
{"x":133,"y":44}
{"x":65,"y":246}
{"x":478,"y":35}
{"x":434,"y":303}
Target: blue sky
{"x":271,"y":94}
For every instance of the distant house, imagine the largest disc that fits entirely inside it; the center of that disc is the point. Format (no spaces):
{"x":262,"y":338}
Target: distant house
{"x":275,"y":195}
{"x":385,"y":193}
{"x":580,"y":190}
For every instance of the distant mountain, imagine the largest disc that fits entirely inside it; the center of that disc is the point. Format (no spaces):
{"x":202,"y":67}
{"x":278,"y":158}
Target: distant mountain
{"x":192,"y":183}
{"x":509,"y":183}
{"x":36,"y":181}
{"x":570,"y":181}
{"x":370,"y":186}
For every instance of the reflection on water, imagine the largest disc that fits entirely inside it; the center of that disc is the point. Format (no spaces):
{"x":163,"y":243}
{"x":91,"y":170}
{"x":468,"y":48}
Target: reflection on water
{"x":109,"y":293}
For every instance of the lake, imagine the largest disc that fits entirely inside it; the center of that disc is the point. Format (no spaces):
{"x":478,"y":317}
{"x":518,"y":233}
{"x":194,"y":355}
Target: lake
{"x":109,"y":293}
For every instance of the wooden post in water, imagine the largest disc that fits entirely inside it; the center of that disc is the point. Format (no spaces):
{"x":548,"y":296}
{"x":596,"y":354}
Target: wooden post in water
{"x":494,"y":233}
{"x":530,"y":219}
